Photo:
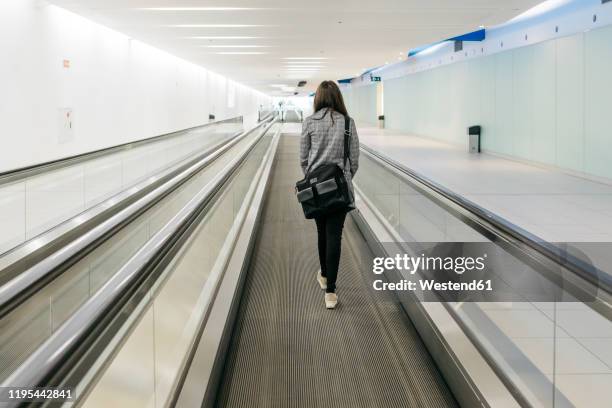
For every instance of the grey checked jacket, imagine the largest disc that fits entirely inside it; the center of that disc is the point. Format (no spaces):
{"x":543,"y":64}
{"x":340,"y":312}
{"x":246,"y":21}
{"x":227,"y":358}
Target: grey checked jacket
{"x":323,"y":143}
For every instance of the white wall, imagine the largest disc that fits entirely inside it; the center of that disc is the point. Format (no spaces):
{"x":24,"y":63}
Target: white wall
{"x":361,"y":103}
{"x":119,"y":89}
{"x":540,"y":88}
{"x":547,"y":103}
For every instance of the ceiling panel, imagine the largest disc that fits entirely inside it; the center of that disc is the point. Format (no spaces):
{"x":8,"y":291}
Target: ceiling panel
{"x":250,"y":40}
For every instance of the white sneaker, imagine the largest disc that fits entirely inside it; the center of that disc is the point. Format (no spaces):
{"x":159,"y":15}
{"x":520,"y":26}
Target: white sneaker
{"x":331,"y":300}
{"x":322,"y":280}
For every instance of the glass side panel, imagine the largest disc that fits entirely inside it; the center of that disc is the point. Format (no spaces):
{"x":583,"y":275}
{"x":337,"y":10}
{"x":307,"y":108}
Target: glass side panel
{"x":176,"y":304}
{"x":26,"y":327}
{"x":41,"y":202}
{"x":555,"y":353}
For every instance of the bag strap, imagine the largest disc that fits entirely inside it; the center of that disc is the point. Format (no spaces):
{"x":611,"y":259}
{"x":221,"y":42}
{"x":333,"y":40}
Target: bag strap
{"x":347,"y":135}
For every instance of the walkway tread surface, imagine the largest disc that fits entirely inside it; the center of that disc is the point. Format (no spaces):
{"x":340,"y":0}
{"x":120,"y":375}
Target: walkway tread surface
{"x":287,"y":350}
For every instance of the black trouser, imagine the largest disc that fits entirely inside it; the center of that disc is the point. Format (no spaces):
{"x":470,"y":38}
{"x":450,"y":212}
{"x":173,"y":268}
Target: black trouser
{"x":329,"y":229}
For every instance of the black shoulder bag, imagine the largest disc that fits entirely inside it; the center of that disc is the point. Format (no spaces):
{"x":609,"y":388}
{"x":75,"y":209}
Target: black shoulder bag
{"x":325,"y":190}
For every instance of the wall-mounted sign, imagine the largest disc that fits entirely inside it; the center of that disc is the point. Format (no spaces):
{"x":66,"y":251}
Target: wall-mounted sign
{"x":374,"y":78}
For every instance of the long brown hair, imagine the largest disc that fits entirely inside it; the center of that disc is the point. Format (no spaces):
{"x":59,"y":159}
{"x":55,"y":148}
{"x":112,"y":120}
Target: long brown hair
{"x":329,"y":96}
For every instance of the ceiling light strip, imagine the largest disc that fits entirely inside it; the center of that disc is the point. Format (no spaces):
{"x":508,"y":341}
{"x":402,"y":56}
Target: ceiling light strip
{"x":236,"y":46}
{"x":241,"y":53}
{"x":196,"y":8}
{"x":238,"y":37}
{"x":213,"y":25}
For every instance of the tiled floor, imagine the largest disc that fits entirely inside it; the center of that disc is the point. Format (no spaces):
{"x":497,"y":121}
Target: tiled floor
{"x":555,"y":206}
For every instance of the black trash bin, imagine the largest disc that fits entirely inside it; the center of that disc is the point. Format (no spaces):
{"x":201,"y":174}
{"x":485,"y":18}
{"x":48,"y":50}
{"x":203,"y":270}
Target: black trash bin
{"x":474,"y":135}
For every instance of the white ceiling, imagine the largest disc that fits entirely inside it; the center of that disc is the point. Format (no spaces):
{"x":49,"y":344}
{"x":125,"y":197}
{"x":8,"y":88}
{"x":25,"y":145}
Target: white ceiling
{"x":347,"y":36}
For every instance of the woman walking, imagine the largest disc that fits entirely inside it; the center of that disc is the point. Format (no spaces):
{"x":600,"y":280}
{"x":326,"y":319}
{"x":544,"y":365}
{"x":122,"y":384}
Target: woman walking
{"x":323,"y":144}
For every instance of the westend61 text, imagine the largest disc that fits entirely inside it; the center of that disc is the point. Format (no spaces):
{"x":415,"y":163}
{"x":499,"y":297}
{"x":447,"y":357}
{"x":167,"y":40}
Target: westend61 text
{"x":431,"y":285}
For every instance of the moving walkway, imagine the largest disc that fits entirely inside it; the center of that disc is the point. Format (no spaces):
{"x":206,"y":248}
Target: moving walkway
{"x":202,"y":292}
